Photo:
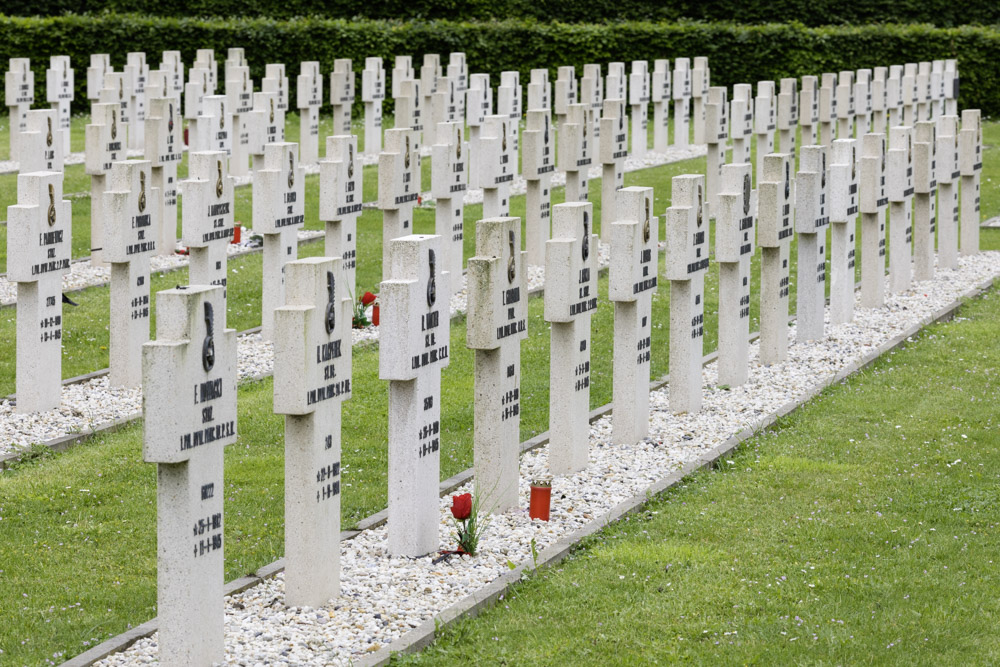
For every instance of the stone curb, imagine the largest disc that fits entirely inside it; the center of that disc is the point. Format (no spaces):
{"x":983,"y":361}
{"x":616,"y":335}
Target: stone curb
{"x":473,"y":604}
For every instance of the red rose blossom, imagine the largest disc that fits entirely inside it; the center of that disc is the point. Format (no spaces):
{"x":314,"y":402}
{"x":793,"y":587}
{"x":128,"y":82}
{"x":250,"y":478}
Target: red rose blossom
{"x":461,"y":506}
{"x":375,"y":314}
{"x":367,"y":298}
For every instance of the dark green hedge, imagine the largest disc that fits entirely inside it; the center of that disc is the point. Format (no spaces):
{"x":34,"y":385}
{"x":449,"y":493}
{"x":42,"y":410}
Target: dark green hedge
{"x":808,"y":12}
{"x":737,"y":53}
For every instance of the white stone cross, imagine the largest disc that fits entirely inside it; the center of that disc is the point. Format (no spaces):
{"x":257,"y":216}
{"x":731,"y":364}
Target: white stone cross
{"x":132,"y":230}
{"x":402,"y":70}
{"x":372,"y":94}
{"x":951,"y":81}
{"x":570,"y":298}
{"x":195,"y":92}
{"x":538,"y":161}
{"x":660,"y":93}
{"x":239,"y":104}
{"x":340,"y":193}
{"x":894,"y":96}
{"x":449,"y":181}
{"x":278,"y":214}
{"x":776,"y":198}
{"x":908,"y":91}
{"x":682,"y":101}
{"x":809,"y":110}
{"x":845,"y":105}
{"x":509,"y":103}
{"x":873,"y":204}
{"x":498,"y":162}
{"x":309,"y":99}
{"x":312,"y":378}
{"x":414,"y":343}
{"x":879,"y":95}
{"x":59,"y":93}
{"x":105,"y":145}
{"x":136,"y":71}
{"x":592,"y":94}
{"x":764,"y":123}
{"x":342,"y":95}
{"x":576,"y":151}
{"x":171,"y":64}
{"x":638,"y":91}
{"x":264,"y":125}
{"x":946,"y":154}
{"x":215,"y":125}
{"x":276,"y":81}
{"x":716,"y":135}
{"x":443,"y":106}
{"x":686,"y":263}
{"x":827,"y":109}
{"x":899,"y":190}
{"x":399,"y":187}
{"x":700,"y":83}
{"x":924,"y":199}
{"x":741,"y":115}
{"x":613,"y":151}
{"x":843,"y":221}
{"x":565,"y":94}
{"x":788,"y":114}
{"x":205,"y":59}
{"x":863,"y":102}
{"x":41,"y":142}
{"x":497,"y":323}
{"x":100,"y":64}
{"x":923,"y":91}
{"x":430,"y":77}
{"x":189,"y":409}
{"x":207,"y":219}
{"x":118,"y":90}
{"x":478,"y":105}
{"x":19,"y":95}
{"x":812,"y":217}
{"x":164,"y":150}
{"x":39,"y":245}
{"x":539,"y":90}
{"x":734,"y":249}
{"x":410,"y":111}
{"x":616,"y":83}
{"x":632,"y":281}
{"x":458,"y":71}
{"x":937,"y":89}
{"x":970,"y":164}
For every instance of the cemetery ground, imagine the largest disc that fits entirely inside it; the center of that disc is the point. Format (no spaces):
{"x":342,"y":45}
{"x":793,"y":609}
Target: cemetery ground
{"x":95,"y":504}
{"x":860,"y":529}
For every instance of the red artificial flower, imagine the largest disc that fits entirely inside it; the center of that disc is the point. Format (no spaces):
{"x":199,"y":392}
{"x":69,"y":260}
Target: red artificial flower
{"x":367,"y":298}
{"x":375,"y":314}
{"x":461,"y":506}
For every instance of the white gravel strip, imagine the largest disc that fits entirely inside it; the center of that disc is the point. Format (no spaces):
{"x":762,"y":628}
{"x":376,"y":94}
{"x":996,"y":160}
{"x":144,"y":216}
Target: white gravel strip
{"x":385,"y":597}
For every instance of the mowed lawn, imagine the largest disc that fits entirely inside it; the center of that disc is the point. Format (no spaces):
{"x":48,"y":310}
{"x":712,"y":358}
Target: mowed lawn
{"x":862,"y":530}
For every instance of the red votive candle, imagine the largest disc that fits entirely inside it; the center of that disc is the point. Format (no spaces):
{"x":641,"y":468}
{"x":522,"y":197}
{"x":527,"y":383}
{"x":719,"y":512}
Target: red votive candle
{"x":541,"y":498}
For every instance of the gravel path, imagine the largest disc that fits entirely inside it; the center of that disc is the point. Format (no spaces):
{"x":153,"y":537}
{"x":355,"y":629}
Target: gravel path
{"x":385,"y":597}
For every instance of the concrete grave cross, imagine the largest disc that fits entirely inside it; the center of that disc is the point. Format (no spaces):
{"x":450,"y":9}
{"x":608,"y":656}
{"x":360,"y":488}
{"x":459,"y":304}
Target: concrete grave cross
{"x":170,"y":62}
{"x":592,"y":94}
{"x":638,"y":91}
{"x":565,"y":93}
{"x":312,"y":378}
{"x":908,"y":93}
{"x":430,"y":75}
{"x":937,"y":89}
{"x":682,"y":100}
{"x":59,"y":93}
{"x":661,"y":93}
{"x":613,"y":151}
{"x":189,"y":410}
{"x":538,"y":163}
{"x":276,"y":81}
{"x":410,"y":110}
{"x":774,"y":235}
{"x":309,"y":99}
{"x":340,"y":192}
{"x":616,"y":84}
{"x":843,"y":216}
{"x":845,"y":105}
{"x":828,"y":109}
{"x":449,"y":182}
{"x":509,"y":103}
{"x":497,"y":323}
{"x":575,"y":151}
{"x":117,"y":90}
{"x":278,"y":213}
{"x":924,"y":200}
{"x":878,"y":94}
{"x":862,"y":102}
{"x":137,"y":72}
{"x":264,"y":125}
{"x":443,"y":105}
{"x":539,"y":90}
{"x":458,"y":71}
{"x":342,"y":94}
{"x":715,"y":136}
{"x":734,"y":248}
{"x":132,"y":230}
{"x":478,"y":105}
{"x":970,"y":164}
{"x":157,"y":86}
{"x":951,"y":81}
{"x":700,"y":82}
{"x":899,"y":188}
{"x":372,"y":94}
{"x":894,"y":95}
{"x":498,"y":165}
{"x":765,"y":123}
{"x":39,"y":245}
{"x":164,"y":150}
{"x":922,"y":91}
{"x":873,"y":203}
{"x":788,"y":114}
{"x":632,"y":281}
{"x":414,"y":344}
{"x":809,"y":110}
{"x":741,"y":113}
{"x":216,"y":125}
{"x":402,"y":70}
{"x":100,"y":64}
{"x":207,"y":219}
{"x":41,"y":142}
{"x":571,"y":297}
{"x":686,"y":263}
{"x":205,"y":59}
{"x":812,"y":217}
{"x":239,"y":103}
{"x":949,"y":177}
{"x":195,"y":92}
{"x":105,"y":145}
{"x":399,"y":187}
{"x":19,"y":95}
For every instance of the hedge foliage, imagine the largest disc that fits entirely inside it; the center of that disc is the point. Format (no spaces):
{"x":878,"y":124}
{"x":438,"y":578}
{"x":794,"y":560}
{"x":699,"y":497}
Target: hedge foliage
{"x":737,"y":53}
{"x":808,"y":12}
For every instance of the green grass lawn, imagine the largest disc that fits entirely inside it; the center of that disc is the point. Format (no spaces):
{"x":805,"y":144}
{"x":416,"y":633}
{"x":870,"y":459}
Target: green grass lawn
{"x":862,"y":530}
{"x":96,"y":503}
